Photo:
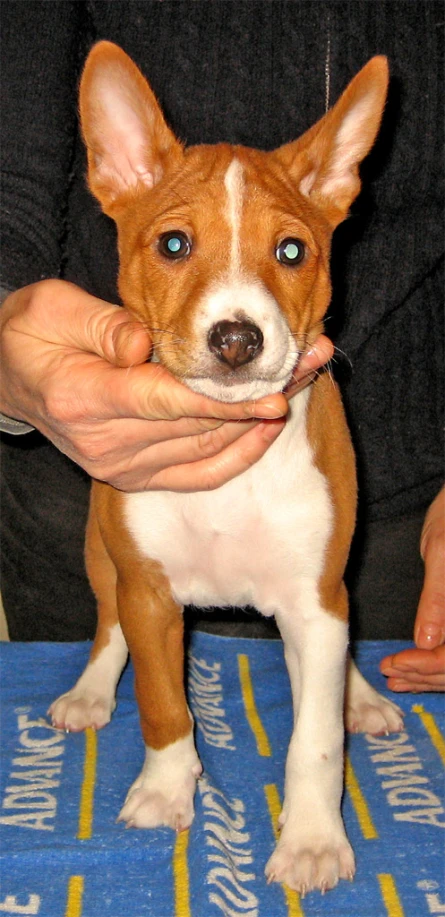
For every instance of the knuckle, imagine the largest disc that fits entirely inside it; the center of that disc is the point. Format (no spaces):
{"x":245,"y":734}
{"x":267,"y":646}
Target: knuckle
{"x":41,"y":292}
{"x":60,"y":406}
{"x":93,"y":453}
{"x":213,"y":479}
{"x":211,"y":442}
{"x":55,"y":406}
{"x":205,"y":424}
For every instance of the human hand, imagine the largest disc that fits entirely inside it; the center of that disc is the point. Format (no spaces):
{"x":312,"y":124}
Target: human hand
{"x":423,"y":668}
{"x":75,"y":368}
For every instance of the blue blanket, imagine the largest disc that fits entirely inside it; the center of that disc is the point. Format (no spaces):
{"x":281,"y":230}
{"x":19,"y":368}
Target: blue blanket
{"x":63,"y":855}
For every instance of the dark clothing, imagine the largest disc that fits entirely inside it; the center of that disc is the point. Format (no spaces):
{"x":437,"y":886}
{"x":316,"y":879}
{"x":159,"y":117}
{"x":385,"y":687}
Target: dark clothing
{"x":255,"y":73}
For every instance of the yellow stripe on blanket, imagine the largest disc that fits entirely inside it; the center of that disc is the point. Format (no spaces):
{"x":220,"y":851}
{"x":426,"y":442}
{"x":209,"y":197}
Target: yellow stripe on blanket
{"x":294,"y":908}
{"x":390,"y":895}
{"x":74,"y":897}
{"x":358,"y":800}
{"x":432,"y":729}
{"x":262,"y":742}
{"x":181,"y":875}
{"x":86,"y":812}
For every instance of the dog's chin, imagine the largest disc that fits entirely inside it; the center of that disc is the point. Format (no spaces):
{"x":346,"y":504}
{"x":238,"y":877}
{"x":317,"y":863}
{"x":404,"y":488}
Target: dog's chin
{"x":252,"y":390}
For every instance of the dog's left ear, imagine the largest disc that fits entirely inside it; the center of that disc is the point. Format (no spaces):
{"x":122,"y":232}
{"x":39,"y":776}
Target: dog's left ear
{"x":128,"y":142}
{"x":325,"y":160}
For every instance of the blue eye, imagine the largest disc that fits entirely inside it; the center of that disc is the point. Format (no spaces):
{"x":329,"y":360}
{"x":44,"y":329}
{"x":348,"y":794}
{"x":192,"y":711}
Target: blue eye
{"x":290,"y":251}
{"x":174,"y":245}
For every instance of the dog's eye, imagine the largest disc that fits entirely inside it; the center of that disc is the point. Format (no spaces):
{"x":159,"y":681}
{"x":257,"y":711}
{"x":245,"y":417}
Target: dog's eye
{"x":290,"y":251}
{"x":174,"y":245}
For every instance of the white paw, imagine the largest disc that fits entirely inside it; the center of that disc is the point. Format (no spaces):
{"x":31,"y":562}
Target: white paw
{"x":373,"y":713}
{"x":304,"y":863}
{"x":80,"y":708}
{"x":151,"y":808}
{"x":154,"y":805}
{"x":366,"y":710}
{"x":164,"y":791}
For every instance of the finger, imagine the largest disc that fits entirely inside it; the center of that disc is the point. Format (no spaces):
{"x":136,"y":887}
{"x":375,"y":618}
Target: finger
{"x":294,"y":387}
{"x":203,"y":445}
{"x":320,"y":353}
{"x":415,"y":660}
{"x":151,"y":392}
{"x":112,"y":334}
{"x":415,"y":670}
{"x":310,"y":364}
{"x":208,"y":474}
{"x":435,"y":679}
{"x":144,"y":464}
{"x":126,"y":436}
{"x":401,"y":685}
{"x":429,"y":630}
{"x":61,"y":313}
{"x":132,"y":343}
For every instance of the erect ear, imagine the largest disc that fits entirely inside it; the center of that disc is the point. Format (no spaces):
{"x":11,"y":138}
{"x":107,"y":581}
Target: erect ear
{"x":325,"y":160}
{"x":127,"y":139}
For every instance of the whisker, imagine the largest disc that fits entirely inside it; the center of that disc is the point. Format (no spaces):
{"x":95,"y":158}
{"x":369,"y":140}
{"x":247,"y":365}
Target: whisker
{"x":162,"y":345}
{"x":328,"y":369}
{"x":152,"y":329}
{"x":343,"y":354}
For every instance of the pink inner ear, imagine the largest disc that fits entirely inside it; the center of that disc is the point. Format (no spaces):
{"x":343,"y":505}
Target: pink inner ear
{"x":338,"y":150}
{"x":118,"y":131}
{"x":128,"y":141}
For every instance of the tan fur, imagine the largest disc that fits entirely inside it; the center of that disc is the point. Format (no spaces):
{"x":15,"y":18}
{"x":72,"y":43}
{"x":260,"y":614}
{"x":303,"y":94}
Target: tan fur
{"x":236,"y":206}
{"x":151,"y":620}
{"x":334,"y":456}
{"x":163,"y":295}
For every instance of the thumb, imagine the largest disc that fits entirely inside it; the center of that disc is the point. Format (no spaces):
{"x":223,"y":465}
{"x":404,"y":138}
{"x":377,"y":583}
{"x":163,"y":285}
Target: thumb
{"x":429,"y":631}
{"x":95,"y":326}
{"x":131,"y":343}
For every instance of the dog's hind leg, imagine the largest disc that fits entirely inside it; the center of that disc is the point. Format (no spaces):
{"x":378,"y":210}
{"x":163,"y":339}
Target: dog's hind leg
{"x":365,"y":709}
{"x":92,"y":699}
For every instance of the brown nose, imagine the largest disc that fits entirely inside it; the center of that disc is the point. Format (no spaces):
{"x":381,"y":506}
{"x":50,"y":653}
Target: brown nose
{"x":235,"y":343}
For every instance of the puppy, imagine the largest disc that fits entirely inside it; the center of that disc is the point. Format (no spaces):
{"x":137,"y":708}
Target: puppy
{"x":224,"y":256}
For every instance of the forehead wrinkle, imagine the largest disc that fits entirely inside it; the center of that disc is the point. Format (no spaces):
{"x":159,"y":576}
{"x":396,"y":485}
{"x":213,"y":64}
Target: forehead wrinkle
{"x":234,"y":185}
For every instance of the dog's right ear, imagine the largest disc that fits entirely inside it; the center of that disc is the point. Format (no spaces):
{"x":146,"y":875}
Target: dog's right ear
{"x":127,"y":139}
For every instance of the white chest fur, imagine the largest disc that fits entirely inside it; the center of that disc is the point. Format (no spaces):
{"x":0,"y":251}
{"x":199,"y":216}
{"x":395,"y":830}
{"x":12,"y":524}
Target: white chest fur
{"x":252,"y":541}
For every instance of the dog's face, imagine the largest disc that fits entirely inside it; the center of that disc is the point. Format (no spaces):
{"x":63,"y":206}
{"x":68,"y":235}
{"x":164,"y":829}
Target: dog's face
{"x":224,"y":251}
{"x":224,"y":267}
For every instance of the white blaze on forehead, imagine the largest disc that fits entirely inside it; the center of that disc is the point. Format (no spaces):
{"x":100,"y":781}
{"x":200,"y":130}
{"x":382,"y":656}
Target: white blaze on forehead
{"x":234,"y":185}
{"x":233,"y":295}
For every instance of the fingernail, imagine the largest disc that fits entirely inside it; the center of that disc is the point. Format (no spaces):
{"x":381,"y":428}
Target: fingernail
{"x":265,"y":411}
{"x":387,"y":665}
{"x":429,"y":636}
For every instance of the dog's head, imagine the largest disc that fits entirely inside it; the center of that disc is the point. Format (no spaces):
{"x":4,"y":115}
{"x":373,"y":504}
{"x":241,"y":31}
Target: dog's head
{"x":224,"y":250}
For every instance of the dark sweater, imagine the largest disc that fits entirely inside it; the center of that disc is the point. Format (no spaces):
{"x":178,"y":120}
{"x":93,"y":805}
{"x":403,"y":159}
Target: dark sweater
{"x":251,"y":73}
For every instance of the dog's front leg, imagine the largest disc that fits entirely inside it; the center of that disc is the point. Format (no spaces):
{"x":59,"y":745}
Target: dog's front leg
{"x":153,"y":627}
{"x":313,"y":851}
